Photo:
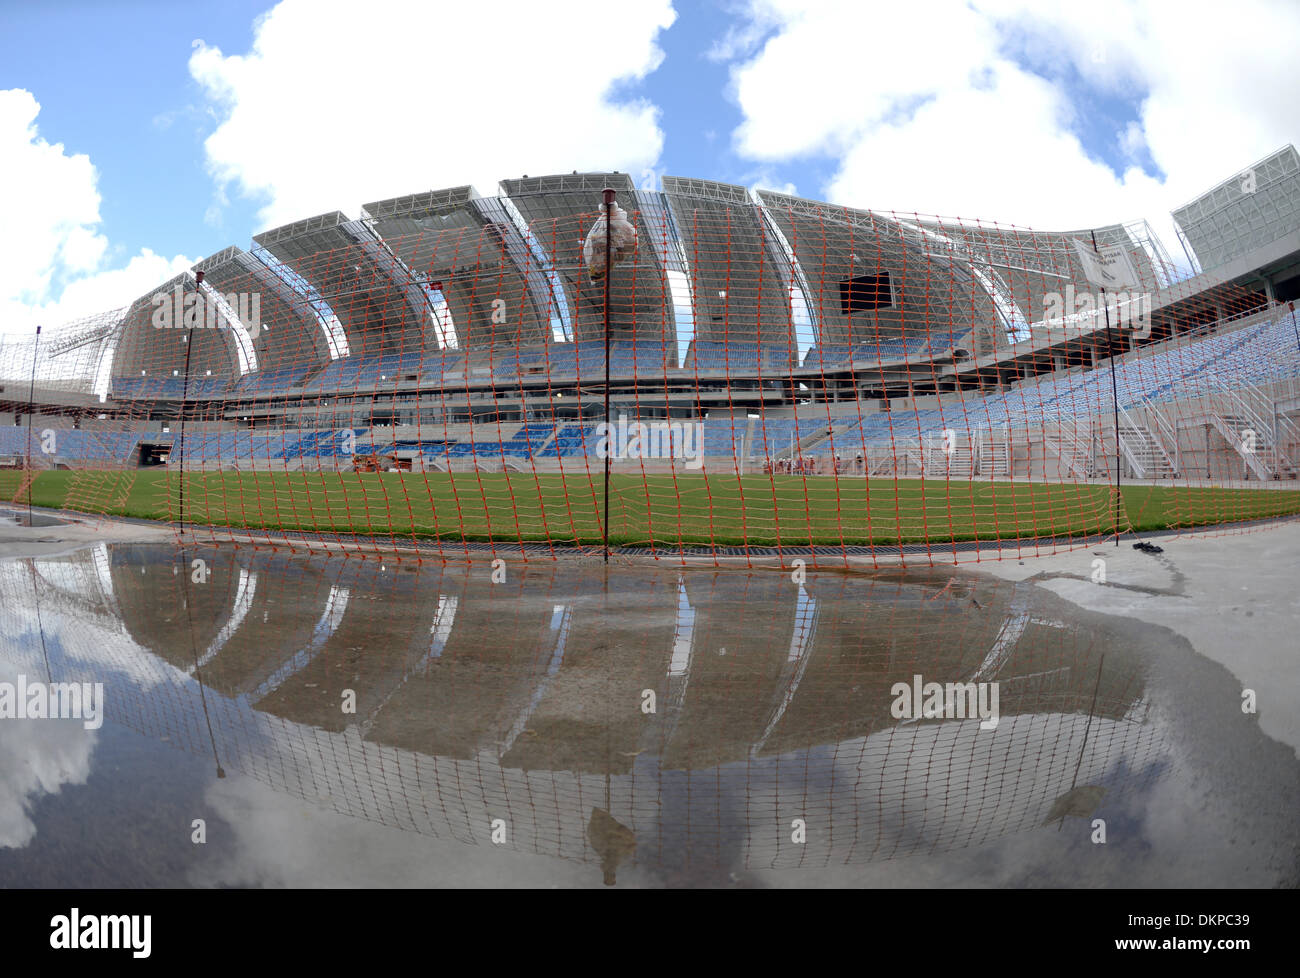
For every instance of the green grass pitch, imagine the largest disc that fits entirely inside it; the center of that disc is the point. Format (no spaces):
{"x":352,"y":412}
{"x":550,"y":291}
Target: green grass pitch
{"x":686,"y":509}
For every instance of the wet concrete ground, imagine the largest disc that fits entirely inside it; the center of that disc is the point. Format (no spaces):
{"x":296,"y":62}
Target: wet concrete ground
{"x":363,"y":722}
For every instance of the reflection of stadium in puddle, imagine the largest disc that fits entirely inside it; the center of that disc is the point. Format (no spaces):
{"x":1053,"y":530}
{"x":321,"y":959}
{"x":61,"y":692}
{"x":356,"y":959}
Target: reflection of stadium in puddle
{"x":678,"y":718}
{"x":21,"y":517}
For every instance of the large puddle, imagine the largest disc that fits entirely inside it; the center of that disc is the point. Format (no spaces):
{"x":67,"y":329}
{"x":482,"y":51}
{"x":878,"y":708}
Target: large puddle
{"x":276,"y":719}
{"x":21,"y":517}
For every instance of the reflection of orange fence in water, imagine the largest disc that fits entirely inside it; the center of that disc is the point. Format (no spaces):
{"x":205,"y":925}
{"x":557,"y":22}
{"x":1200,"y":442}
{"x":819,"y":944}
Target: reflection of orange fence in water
{"x":526,"y":700}
{"x":835,"y":361}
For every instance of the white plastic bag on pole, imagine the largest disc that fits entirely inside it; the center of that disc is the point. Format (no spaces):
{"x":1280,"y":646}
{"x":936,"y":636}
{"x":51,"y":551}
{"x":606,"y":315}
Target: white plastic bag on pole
{"x":622,"y":236}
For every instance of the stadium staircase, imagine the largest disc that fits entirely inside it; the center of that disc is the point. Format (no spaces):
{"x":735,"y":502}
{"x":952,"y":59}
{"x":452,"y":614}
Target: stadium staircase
{"x":882,"y":463}
{"x":1144,"y":451}
{"x":823,"y":435}
{"x":827,"y":438}
{"x":960,"y":461}
{"x":1075,"y":450}
{"x":995,"y":454}
{"x":1245,"y":414}
{"x":956,"y":463}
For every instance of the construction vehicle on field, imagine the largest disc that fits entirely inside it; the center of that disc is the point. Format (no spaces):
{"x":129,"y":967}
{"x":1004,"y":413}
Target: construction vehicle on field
{"x":380,"y":462}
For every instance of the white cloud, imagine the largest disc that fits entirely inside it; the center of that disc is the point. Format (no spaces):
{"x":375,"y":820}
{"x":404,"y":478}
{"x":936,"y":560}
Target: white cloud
{"x":108,"y":289}
{"x":56,"y":269}
{"x":753,"y":22}
{"x":1057,"y":186}
{"x":972,"y":110}
{"x":339,"y":103}
{"x":1132,"y":140}
{"x":1215,"y":98}
{"x":764,"y":178}
{"x":832,"y":72}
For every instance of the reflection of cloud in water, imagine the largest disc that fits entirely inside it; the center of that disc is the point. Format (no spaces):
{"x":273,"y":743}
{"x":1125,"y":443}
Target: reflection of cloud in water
{"x":279,"y":841}
{"x":521,"y":701}
{"x":37,"y":757}
{"x":76,"y":610}
{"x":976,"y":785}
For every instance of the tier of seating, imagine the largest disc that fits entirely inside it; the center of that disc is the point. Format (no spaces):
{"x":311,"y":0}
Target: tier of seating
{"x":724,"y":436}
{"x":270,"y":381}
{"x":349,"y":373}
{"x":1264,"y":352}
{"x":923,"y":344}
{"x":564,"y":361}
{"x":70,"y":444}
{"x":146,"y":387}
{"x":733,"y":356}
{"x":571,"y":440}
{"x":211,"y":446}
{"x":1257,"y":354}
{"x":429,"y":447}
{"x":526,"y":442}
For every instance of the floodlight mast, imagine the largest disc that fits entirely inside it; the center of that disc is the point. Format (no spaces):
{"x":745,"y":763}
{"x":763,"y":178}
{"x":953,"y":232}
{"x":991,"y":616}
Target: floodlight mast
{"x":608,"y":193}
{"x":31,"y":405}
{"x":185,"y":390}
{"x":200,"y":316}
{"x":1114,"y":390}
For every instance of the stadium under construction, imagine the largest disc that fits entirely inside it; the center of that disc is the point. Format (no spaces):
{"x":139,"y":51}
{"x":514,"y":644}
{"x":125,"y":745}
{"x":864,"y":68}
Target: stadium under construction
{"x":324,"y":520}
{"x":467,"y":351}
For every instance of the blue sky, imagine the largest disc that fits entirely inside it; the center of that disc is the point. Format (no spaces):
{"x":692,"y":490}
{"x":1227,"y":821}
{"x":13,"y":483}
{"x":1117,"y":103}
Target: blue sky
{"x":142,"y":119}
{"x":207,"y":123}
{"x":112,"y":83}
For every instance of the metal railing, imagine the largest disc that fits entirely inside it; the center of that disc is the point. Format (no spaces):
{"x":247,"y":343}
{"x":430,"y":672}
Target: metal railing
{"x":1167,"y":430}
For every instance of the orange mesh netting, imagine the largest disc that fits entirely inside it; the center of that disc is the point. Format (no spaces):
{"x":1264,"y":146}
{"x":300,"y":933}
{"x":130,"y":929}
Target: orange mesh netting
{"x":784,"y":379}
